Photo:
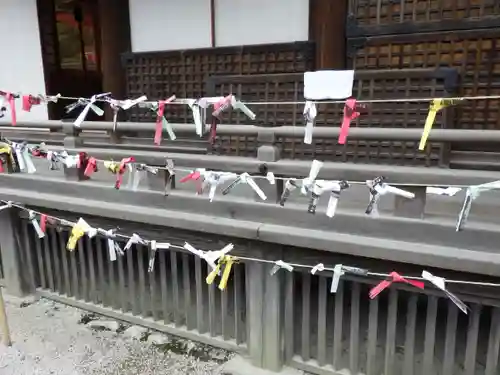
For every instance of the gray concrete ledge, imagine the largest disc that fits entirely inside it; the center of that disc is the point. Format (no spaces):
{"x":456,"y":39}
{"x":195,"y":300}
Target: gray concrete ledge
{"x":456,"y":257}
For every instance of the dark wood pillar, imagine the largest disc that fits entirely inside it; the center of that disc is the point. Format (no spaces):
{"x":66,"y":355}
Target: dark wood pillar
{"x":114,"y":36}
{"x":327,"y":28}
{"x":50,"y":51}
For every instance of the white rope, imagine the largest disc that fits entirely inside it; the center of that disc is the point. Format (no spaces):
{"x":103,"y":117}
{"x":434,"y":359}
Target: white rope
{"x":183,"y":101}
{"x":258,"y":176}
{"x":259,"y":260}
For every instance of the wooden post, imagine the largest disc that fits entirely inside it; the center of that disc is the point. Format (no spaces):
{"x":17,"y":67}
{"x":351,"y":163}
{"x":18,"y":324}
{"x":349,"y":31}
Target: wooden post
{"x":114,"y":40}
{"x":4,"y":325}
{"x":327,"y":28}
{"x":12,"y":244}
{"x":264,"y":312}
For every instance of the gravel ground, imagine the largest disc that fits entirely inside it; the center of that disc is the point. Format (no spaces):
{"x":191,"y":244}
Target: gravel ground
{"x":50,"y":338}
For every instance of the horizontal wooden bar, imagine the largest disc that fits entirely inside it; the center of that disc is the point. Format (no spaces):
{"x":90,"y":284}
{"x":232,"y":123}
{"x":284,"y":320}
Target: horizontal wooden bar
{"x":353,"y":30}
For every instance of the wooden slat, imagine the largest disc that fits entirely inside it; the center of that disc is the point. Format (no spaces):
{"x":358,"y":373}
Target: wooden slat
{"x":371,"y":359}
{"x":82,"y":270}
{"x":411,"y":318}
{"x":225,"y":322}
{"x":28,"y":254}
{"x":187,"y":291}
{"x":472,"y":336}
{"x":354,"y":329}
{"x":212,"y":309}
{"x":112,"y":287}
{"x":175,"y":288}
{"x":41,"y":259}
{"x":142,"y":269}
{"x":121,"y":264}
{"x":306,"y":317}
{"x":239,"y":304}
{"x":450,"y":341}
{"x":76,"y":279}
{"x":322,"y":313}
{"x":337,"y":328}
{"x":289,"y":316}
{"x":102,"y":256}
{"x":153,"y":290}
{"x":390,"y":339}
{"x":89,"y":251}
{"x":165,"y":302}
{"x":132,"y":287}
{"x":493,"y":344}
{"x":430,"y":335}
{"x":201,"y":322}
{"x":53,"y":249}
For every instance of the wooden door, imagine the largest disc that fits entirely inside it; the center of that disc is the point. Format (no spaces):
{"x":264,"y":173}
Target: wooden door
{"x":69,"y":34}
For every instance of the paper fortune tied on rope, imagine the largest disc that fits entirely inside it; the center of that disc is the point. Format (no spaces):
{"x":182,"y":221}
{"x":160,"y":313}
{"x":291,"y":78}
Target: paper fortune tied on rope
{"x":440,"y":283}
{"x":214,"y":179}
{"x":317,"y":268}
{"x":23,"y":157}
{"x":377,"y":188}
{"x":135,"y":239}
{"x":308,"y":182}
{"x":339,"y":270}
{"x":199,"y":110}
{"x":228,"y":262}
{"x":435,"y":106}
{"x":7,"y":204}
{"x":310,"y":113}
{"x":221,"y":106}
{"x":394,"y":277}
{"x":113,"y":248}
{"x":153,"y":247}
{"x":209,"y":256}
{"x":77,"y":232}
{"x":290,"y":186}
{"x":219,"y":258}
{"x":279,"y":264}
{"x":29,"y":101}
{"x":350,"y":113}
{"x":116,"y":105}
{"x":161,"y":121}
{"x":89,"y":104}
{"x":449,"y":191}
{"x":32,"y":217}
{"x":245,"y":178}
{"x":334,"y":188}
{"x":471,"y":194}
{"x":10,"y":98}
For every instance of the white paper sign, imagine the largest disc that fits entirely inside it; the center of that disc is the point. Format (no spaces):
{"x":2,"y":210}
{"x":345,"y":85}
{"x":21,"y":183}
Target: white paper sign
{"x":328,"y":84}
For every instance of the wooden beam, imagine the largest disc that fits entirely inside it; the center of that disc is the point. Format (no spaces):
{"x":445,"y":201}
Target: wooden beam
{"x":327,"y":29}
{"x":114,"y":40}
{"x":212,"y":23}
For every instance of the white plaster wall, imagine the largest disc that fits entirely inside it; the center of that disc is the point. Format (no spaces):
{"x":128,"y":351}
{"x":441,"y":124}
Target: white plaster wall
{"x":21,"y":66}
{"x":240,"y":22}
{"x":159,"y":25}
